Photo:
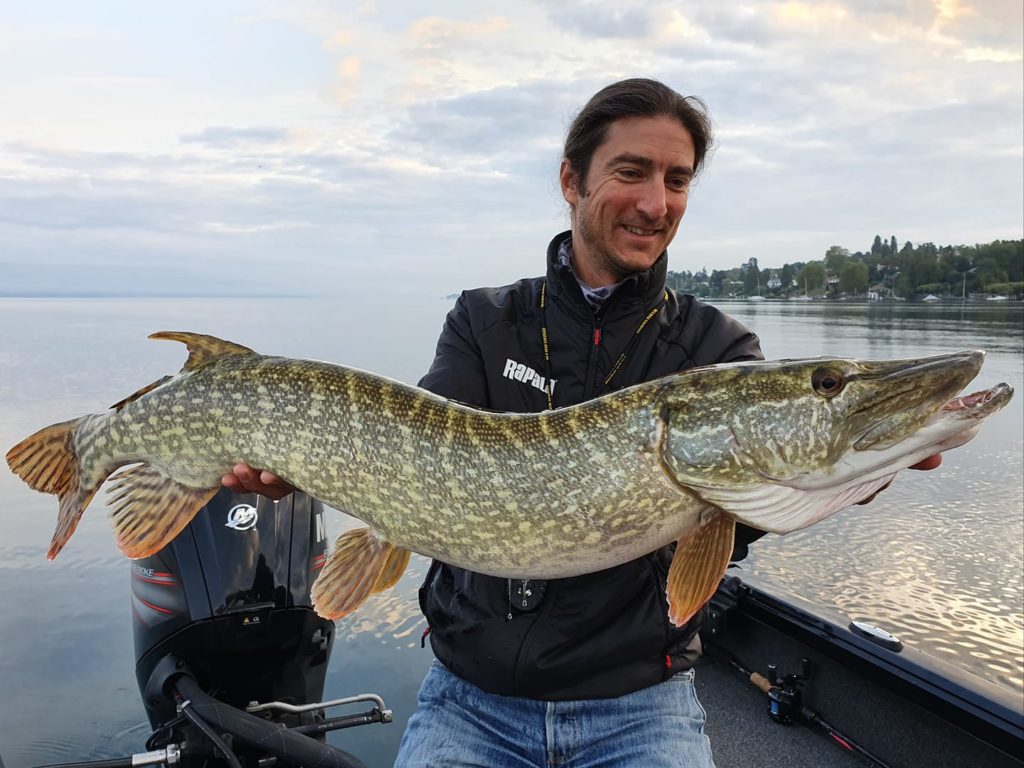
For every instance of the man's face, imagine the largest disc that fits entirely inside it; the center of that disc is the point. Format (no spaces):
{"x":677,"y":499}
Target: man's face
{"x":632,"y":200}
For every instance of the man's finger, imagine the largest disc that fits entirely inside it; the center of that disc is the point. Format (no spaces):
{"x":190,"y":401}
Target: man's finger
{"x":247,"y":476}
{"x":269,"y":478}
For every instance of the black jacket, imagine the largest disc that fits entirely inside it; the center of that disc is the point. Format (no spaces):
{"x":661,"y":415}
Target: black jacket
{"x":602,"y":634}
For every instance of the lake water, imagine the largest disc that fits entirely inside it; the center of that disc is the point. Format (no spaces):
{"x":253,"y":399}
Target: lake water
{"x":938,"y":559}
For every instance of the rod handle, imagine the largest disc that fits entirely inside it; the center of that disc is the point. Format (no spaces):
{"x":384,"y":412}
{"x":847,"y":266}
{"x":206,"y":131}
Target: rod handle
{"x":760,"y":681}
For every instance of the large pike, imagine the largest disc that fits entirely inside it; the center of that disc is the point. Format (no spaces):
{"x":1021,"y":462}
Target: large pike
{"x":777,"y":445}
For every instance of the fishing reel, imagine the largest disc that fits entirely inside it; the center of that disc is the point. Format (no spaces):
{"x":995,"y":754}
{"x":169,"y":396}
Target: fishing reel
{"x":784,"y":695}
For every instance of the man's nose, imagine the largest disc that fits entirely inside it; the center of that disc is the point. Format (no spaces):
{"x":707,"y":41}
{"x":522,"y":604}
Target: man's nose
{"x":652,"y":201}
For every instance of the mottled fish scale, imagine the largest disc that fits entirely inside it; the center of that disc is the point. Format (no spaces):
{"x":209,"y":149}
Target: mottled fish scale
{"x":545,"y":495}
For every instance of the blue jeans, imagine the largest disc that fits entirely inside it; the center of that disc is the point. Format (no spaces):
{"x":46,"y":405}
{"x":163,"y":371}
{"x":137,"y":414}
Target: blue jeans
{"x":457,"y":725}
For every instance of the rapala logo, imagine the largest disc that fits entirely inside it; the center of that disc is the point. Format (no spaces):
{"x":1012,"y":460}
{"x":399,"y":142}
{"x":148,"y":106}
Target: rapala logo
{"x":242,"y":517}
{"x":526,"y":374}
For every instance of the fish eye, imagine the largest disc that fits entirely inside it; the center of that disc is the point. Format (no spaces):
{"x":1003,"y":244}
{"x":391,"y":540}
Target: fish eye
{"x":827,"y":382}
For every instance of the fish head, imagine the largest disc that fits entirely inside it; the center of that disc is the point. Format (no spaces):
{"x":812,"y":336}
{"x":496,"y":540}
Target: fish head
{"x":782,"y":444}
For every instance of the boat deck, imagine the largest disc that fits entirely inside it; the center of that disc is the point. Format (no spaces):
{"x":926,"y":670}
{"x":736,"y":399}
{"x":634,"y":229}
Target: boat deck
{"x":857,"y":700}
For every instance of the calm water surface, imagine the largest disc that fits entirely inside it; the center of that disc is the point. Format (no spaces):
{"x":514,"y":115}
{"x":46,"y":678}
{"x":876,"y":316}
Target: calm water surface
{"x":937,"y":559}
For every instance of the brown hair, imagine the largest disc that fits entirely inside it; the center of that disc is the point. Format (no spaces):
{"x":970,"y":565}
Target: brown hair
{"x":635,"y":97}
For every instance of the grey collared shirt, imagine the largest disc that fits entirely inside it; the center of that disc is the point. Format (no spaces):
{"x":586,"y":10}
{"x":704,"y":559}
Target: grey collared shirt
{"x":594,"y":296}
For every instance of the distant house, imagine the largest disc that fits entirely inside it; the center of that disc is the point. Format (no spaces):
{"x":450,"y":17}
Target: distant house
{"x":774,"y":283}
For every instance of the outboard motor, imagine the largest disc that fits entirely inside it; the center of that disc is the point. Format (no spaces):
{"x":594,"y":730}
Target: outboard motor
{"x":228,"y":599}
{"x":230,"y":657}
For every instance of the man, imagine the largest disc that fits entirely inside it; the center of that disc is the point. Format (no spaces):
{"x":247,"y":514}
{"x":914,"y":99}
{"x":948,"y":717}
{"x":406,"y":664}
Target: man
{"x":585,"y":671}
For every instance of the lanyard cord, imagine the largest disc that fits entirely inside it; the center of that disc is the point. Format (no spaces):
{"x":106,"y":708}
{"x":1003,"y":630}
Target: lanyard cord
{"x":630,"y":347}
{"x":547,"y":349}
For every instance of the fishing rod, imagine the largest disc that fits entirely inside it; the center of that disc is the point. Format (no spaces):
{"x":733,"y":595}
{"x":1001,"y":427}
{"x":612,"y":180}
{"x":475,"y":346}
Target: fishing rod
{"x":785,"y":704}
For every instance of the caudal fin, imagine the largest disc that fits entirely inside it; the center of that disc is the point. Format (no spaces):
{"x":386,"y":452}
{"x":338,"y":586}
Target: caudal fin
{"x":47,"y":462}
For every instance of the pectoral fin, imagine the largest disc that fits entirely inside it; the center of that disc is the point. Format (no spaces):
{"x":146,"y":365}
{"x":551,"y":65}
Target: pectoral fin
{"x":148,"y":509}
{"x":360,"y":565}
{"x":701,"y":557}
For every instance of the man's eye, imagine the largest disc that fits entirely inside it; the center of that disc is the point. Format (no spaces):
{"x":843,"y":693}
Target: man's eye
{"x":629,"y":173}
{"x":679,"y":184}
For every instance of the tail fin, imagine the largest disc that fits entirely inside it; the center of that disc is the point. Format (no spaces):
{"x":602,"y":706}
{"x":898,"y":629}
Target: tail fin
{"x":48,"y":463}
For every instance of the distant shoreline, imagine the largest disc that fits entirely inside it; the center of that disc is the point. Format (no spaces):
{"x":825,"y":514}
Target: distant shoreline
{"x":872,"y":302}
{"x":160,"y":296}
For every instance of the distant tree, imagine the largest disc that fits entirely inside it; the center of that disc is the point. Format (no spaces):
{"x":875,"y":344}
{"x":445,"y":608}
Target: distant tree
{"x":1007,"y":289}
{"x":1007,"y":254}
{"x":853,"y":278}
{"x":918,"y":266}
{"x":835,"y":257}
{"x":989,"y":272}
{"x":786,"y":276}
{"x":875,"y":265}
{"x":994,"y":267}
{"x":716,"y":282}
{"x":813,"y":276}
{"x":752,"y":280}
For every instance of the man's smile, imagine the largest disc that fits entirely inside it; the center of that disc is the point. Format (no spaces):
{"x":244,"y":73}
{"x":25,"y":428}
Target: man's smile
{"x":639,"y":231}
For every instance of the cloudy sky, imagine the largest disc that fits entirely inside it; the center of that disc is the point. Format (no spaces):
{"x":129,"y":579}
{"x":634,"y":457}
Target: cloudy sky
{"x":314,"y":147}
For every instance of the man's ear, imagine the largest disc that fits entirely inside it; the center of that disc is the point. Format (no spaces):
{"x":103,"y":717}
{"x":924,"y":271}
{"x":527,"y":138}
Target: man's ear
{"x":570,"y":183}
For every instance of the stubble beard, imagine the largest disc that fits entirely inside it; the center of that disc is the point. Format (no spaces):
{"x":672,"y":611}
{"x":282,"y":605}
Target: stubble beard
{"x":599,"y":250}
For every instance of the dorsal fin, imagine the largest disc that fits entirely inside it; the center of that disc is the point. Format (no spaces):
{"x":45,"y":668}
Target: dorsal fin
{"x":202,"y":348}
{"x":135,"y":396}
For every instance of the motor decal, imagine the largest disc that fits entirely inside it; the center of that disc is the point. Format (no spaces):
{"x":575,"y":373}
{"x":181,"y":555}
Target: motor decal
{"x":156,"y":608}
{"x":242,"y":517}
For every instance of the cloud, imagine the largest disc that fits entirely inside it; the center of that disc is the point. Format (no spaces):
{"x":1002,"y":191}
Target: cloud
{"x":347,"y":80}
{"x":224,"y":137}
{"x":597,"y":18}
{"x":997,"y":55}
{"x":493,"y":125}
{"x":433,"y":33}
{"x":379,"y":146}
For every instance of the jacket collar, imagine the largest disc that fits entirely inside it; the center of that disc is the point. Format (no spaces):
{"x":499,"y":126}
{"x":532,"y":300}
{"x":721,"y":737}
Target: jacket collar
{"x":641,"y":288}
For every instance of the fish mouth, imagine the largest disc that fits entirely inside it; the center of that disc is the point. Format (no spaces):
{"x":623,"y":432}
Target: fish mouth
{"x":950,"y":425}
{"x":961,"y":416}
{"x":913,"y":393}
{"x":981,"y":403}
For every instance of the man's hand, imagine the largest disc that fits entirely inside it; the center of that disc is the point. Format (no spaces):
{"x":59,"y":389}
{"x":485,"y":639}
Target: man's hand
{"x":930,"y":463}
{"x":245,"y":479}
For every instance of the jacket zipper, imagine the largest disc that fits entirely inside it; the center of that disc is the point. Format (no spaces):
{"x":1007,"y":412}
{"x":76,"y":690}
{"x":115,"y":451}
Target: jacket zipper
{"x":524,"y":644}
{"x":591,"y":385}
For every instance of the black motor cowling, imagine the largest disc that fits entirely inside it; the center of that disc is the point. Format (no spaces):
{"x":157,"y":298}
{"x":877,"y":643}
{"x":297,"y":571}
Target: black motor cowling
{"x":229,"y":598}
